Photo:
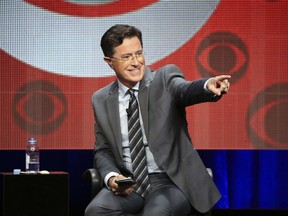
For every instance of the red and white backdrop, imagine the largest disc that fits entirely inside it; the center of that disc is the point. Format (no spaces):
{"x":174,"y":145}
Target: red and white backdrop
{"x":51,"y":63}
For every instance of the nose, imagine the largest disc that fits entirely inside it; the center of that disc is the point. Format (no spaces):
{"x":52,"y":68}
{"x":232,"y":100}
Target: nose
{"x":134,"y":60}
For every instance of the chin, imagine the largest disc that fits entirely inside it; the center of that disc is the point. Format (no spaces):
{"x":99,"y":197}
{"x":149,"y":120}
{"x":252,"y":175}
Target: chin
{"x":139,"y":78}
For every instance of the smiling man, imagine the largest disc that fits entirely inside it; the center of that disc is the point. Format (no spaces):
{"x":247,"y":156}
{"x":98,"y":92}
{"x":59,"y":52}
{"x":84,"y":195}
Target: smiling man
{"x":142,"y":135}
{"x":128,"y":62}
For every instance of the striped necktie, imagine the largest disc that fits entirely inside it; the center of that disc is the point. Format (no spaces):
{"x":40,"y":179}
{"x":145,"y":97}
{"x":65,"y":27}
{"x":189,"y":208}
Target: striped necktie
{"x":137,"y":149}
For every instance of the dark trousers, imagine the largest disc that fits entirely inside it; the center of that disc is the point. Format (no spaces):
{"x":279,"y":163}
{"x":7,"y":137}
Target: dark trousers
{"x":164,"y":198}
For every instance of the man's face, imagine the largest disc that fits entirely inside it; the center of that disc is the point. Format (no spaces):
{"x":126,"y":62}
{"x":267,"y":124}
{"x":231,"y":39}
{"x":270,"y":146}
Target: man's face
{"x":128,"y":62}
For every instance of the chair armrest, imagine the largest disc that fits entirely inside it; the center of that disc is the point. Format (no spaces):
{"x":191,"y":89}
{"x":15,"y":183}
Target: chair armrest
{"x":94,"y":177}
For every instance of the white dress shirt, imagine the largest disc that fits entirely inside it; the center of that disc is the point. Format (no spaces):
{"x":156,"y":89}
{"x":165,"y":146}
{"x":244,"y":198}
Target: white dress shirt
{"x":123,"y":105}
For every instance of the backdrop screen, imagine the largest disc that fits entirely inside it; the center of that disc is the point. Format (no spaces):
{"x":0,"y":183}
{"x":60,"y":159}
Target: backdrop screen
{"x":51,"y":63}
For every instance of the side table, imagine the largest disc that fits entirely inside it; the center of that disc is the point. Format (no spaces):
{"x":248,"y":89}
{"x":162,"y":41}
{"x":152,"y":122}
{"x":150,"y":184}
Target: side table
{"x":34,"y":194}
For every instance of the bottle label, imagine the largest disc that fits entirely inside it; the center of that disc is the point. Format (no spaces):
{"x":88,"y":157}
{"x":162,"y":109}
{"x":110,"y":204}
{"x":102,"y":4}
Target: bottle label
{"x":27,"y":161}
{"x":32,"y":156}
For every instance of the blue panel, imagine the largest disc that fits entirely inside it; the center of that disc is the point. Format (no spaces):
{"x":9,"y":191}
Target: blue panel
{"x":250,"y":179}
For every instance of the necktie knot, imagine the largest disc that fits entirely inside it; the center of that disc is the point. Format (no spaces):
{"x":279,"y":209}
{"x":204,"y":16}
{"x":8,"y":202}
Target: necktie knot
{"x":131,"y":92}
{"x":133,"y":105}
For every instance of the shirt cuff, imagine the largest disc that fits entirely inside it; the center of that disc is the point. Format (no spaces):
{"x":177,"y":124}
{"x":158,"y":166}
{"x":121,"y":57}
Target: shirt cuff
{"x":205,"y":85}
{"x":108,"y":176}
{"x":206,"y":88}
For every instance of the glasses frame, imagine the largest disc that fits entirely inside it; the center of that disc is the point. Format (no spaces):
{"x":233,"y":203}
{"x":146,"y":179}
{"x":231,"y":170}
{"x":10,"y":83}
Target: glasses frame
{"x":128,"y":57}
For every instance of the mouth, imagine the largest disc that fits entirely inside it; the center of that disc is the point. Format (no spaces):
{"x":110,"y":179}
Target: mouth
{"x":134,"y":71}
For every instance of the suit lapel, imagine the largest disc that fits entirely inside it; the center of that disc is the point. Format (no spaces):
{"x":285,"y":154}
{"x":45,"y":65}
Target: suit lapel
{"x":143,"y":98}
{"x":112,"y":106}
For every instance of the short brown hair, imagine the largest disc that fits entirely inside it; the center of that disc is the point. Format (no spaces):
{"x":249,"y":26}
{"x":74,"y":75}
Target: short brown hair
{"x":115,"y":35}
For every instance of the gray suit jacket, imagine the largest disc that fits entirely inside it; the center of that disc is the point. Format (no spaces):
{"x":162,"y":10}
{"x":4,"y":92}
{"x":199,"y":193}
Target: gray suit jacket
{"x":163,"y":96}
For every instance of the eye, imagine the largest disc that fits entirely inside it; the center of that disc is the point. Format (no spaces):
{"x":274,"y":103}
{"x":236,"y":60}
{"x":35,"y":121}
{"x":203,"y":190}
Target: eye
{"x":139,"y":53}
{"x":267,"y":121}
{"x":222,"y":53}
{"x":39,"y":107}
{"x":126,"y":57}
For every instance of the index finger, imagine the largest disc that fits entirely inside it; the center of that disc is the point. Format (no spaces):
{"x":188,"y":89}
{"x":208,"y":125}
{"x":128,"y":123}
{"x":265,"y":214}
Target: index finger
{"x":222,"y":77}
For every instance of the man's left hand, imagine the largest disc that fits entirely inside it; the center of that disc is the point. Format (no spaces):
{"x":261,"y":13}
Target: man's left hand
{"x":219,"y":85}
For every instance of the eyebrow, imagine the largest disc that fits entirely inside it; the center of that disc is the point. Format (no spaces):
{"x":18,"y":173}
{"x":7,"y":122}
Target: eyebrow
{"x":132,"y":53}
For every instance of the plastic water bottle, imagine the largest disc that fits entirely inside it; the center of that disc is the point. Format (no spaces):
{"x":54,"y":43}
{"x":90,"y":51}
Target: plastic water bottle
{"x":32,"y":156}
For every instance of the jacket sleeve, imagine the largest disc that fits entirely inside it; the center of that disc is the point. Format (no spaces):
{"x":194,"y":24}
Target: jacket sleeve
{"x":187,"y":92}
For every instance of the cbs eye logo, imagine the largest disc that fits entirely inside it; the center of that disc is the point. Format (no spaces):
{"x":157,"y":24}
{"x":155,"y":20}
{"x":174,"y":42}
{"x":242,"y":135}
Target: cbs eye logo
{"x":91,"y":8}
{"x":267,"y":121}
{"x":39,"y":107}
{"x":222,"y":53}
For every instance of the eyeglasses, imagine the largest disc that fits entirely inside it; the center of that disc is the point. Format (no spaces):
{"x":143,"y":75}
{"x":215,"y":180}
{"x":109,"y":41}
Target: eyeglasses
{"x":130,"y":56}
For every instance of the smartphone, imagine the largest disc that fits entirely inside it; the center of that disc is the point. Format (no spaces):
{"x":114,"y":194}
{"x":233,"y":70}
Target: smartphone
{"x":127,"y":181}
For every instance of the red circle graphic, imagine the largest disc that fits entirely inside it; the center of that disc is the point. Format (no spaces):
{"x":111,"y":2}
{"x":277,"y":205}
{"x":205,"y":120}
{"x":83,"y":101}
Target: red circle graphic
{"x":91,"y":10}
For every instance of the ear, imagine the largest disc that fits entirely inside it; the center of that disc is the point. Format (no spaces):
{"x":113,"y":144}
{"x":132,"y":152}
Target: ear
{"x":108,"y":61}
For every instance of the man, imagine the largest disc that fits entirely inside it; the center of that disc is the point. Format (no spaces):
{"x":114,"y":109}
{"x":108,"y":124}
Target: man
{"x":175,"y":180}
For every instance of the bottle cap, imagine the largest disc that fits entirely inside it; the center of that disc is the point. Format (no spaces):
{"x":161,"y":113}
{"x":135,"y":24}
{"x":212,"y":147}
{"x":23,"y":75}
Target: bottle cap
{"x":32,"y":140}
{"x":16,"y":171}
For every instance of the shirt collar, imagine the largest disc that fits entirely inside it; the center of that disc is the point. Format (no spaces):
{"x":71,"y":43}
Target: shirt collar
{"x":123,"y":89}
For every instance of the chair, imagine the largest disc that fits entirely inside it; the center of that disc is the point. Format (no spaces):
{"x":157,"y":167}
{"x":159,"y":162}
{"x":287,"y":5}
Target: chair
{"x":92,"y":175}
